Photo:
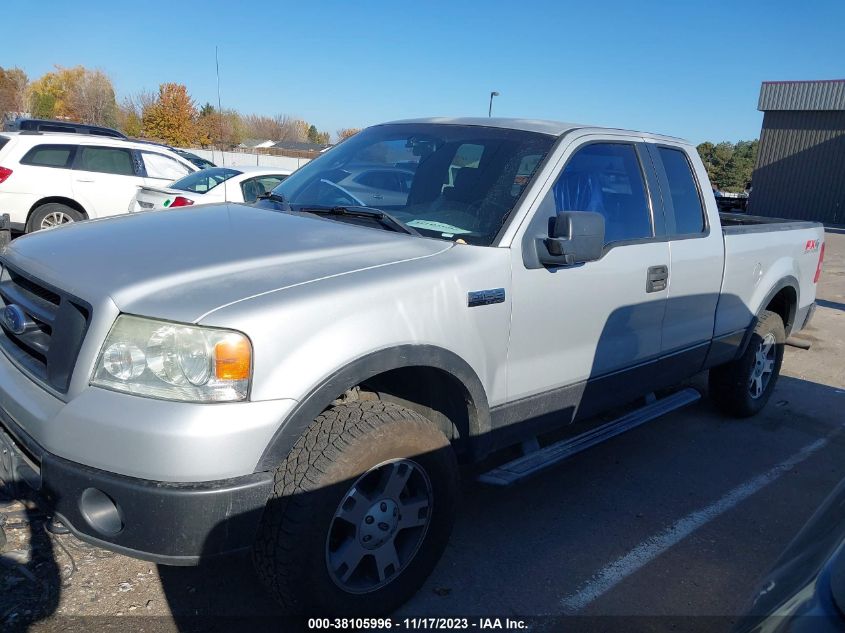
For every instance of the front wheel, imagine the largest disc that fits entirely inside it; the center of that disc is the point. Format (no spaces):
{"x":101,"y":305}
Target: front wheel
{"x":361,"y":511}
{"x":743,"y":387}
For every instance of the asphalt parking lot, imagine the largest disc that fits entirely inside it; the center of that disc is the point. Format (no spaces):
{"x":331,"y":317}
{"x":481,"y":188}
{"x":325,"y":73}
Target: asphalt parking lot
{"x":675,"y":519}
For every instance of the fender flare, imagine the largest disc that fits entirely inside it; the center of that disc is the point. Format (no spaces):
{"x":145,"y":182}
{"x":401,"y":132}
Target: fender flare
{"x":786,"y":282}
{"x":361,"y":369}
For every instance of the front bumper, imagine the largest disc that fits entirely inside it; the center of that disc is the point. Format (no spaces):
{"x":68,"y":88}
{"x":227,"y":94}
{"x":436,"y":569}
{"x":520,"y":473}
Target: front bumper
{"x":163,"y":522}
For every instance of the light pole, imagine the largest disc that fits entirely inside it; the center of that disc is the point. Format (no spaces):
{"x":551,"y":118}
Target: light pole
{"x":490,"y":109}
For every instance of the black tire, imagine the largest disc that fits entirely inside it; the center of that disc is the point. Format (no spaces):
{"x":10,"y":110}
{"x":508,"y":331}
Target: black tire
{"x":51,"y":209}
{"x":731,"y":385}
{"x":316,"y":481}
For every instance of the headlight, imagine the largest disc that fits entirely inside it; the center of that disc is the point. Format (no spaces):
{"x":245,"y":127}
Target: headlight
{"x":174,"y":361}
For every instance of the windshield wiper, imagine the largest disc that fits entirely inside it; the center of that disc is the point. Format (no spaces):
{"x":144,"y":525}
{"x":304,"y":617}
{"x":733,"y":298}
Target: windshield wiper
{"x":363,"y":212}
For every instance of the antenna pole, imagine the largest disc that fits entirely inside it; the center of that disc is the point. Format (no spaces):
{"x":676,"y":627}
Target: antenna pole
{"x":220,"y":116}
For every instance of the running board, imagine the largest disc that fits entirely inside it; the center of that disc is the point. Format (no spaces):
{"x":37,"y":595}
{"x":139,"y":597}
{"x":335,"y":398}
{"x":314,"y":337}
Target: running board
{"x":530,"y":464}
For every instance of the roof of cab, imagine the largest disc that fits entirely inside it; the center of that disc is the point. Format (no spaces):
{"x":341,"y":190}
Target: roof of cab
{"x":542,"y":126}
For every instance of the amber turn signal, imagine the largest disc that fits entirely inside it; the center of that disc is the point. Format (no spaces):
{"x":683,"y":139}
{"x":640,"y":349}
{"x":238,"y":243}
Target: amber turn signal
{"x":232,"y":358}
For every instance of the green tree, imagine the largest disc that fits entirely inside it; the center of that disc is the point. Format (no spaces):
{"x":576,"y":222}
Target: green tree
{"x":729,"y":166}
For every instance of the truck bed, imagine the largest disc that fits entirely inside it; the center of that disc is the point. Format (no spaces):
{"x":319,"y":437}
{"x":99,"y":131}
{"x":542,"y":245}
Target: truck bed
{"x":761,"y":254}
{"x":736,"y":223}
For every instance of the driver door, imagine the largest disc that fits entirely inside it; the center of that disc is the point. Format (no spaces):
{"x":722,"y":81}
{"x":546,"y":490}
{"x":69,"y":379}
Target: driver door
{"x":583,"y":336}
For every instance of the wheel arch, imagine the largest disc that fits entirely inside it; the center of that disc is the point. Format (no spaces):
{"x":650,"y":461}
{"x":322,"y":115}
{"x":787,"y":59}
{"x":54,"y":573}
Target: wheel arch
{"x":70,"y":202}
{"x":432,"y":380}
{"x":782,"y":299}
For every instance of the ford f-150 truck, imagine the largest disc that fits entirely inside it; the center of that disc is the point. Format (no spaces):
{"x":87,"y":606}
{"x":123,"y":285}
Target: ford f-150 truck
{"x":303,"y":376}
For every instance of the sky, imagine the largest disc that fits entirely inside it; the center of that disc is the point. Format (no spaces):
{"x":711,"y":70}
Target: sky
{"x":689,"y":69}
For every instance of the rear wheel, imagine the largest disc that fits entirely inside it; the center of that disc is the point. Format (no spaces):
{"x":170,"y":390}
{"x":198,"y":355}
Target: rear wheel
{"x":52,"y":214}
{"x":743,"y":387}
{"x":361,"y":511}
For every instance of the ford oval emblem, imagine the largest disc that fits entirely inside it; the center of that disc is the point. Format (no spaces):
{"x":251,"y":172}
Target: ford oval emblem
{"x":14,"y":319}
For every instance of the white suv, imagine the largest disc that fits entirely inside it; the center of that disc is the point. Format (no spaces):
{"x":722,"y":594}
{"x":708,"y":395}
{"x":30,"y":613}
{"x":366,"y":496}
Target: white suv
{"x":51,"y":178}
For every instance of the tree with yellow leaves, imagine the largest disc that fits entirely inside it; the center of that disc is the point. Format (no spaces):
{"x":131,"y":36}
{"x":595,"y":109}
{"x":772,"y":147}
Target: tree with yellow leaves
{"x":345,"y":133}
{"x":13,"y":82}
{"x":77,"y":94}
{"x":171,"y":118}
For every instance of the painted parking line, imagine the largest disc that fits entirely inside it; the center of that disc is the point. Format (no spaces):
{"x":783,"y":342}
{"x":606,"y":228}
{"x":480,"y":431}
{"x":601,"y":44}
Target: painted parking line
{"x":614,"y":573}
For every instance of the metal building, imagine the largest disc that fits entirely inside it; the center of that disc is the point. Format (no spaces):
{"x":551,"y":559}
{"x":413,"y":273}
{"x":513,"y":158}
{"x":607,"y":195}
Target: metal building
{"x":800,"y":171}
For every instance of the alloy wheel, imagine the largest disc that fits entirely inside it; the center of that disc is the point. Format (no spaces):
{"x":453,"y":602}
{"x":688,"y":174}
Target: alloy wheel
{"x":764,"y":364}
{"x":379,"y":525}
{"x":55,"y":218}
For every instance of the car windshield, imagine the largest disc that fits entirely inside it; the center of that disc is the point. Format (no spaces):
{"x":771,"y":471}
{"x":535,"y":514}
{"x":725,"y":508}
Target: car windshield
{"x":205,"y":180}
{"x":451,"y":182}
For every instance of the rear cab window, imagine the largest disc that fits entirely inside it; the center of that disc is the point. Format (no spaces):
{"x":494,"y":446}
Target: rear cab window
{"x":688,"y":211}
{"x":60,"y":156}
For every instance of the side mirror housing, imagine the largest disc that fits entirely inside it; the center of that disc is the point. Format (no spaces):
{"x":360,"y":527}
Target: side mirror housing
{"x":575,"y":237}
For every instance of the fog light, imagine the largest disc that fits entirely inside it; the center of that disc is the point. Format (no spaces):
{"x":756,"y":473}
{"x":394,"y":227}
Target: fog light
{"x":100,"y":512}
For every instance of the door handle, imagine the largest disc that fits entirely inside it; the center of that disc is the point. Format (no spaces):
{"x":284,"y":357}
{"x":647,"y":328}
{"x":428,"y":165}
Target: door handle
{"x":81,"y":180}
{"x":378,"y":196}
{"x":657,"y":278}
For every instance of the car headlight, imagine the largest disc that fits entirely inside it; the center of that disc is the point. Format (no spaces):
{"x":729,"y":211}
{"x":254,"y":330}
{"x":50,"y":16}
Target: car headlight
{"x":174,"y":361}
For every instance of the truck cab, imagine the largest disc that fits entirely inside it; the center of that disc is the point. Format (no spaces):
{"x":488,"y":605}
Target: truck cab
{"x":302,"y":376}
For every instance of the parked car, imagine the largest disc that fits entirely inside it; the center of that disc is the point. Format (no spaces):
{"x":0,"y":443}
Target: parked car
{"x":302,"y":376}
{"x":67,"y":127}
{"x":200,"y":162}
{"x":47,"y":179}
{"x":379,"y":185}
{"x":729,"y":201}
{"x":217,"y":184}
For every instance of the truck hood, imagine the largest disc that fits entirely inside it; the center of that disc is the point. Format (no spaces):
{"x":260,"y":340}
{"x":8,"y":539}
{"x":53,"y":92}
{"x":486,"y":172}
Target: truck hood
{"x":183,"y":264}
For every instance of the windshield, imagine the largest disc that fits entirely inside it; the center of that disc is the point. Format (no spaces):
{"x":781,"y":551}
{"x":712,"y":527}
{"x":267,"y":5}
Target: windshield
{"x":451,"y":182}
{"x":205,"y":180}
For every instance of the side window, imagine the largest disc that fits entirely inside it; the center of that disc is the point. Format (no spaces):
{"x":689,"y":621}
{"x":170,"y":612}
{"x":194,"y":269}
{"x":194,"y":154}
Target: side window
{"x":252,"y":188}
{"x":106,"y":160}
{"x":606,"y":178}
{"x":271,"y":182}
{"x":386,"y":180}
{"x":49,"y":156}
{"x":163,"y":167}
{"x":686,"y":202}
{"x":259,"y":185}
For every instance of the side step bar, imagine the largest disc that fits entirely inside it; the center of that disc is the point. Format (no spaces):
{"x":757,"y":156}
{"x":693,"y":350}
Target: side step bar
{"x":532,"y":463}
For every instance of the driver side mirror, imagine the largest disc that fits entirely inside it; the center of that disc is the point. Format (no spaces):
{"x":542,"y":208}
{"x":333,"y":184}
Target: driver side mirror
{"x":574,"y":237}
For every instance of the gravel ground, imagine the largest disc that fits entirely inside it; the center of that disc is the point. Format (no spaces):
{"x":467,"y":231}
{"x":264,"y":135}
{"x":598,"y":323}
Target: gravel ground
{"x":539,"y":548}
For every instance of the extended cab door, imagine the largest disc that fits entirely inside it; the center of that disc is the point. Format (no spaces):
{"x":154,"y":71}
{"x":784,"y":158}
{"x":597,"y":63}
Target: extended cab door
{"x":696,"y":256}
{"x":105,"y":179}
{"x":578,"y":332}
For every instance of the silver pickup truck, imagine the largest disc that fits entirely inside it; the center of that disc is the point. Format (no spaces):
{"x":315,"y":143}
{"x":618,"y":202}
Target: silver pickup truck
{"x":302,"y":377}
